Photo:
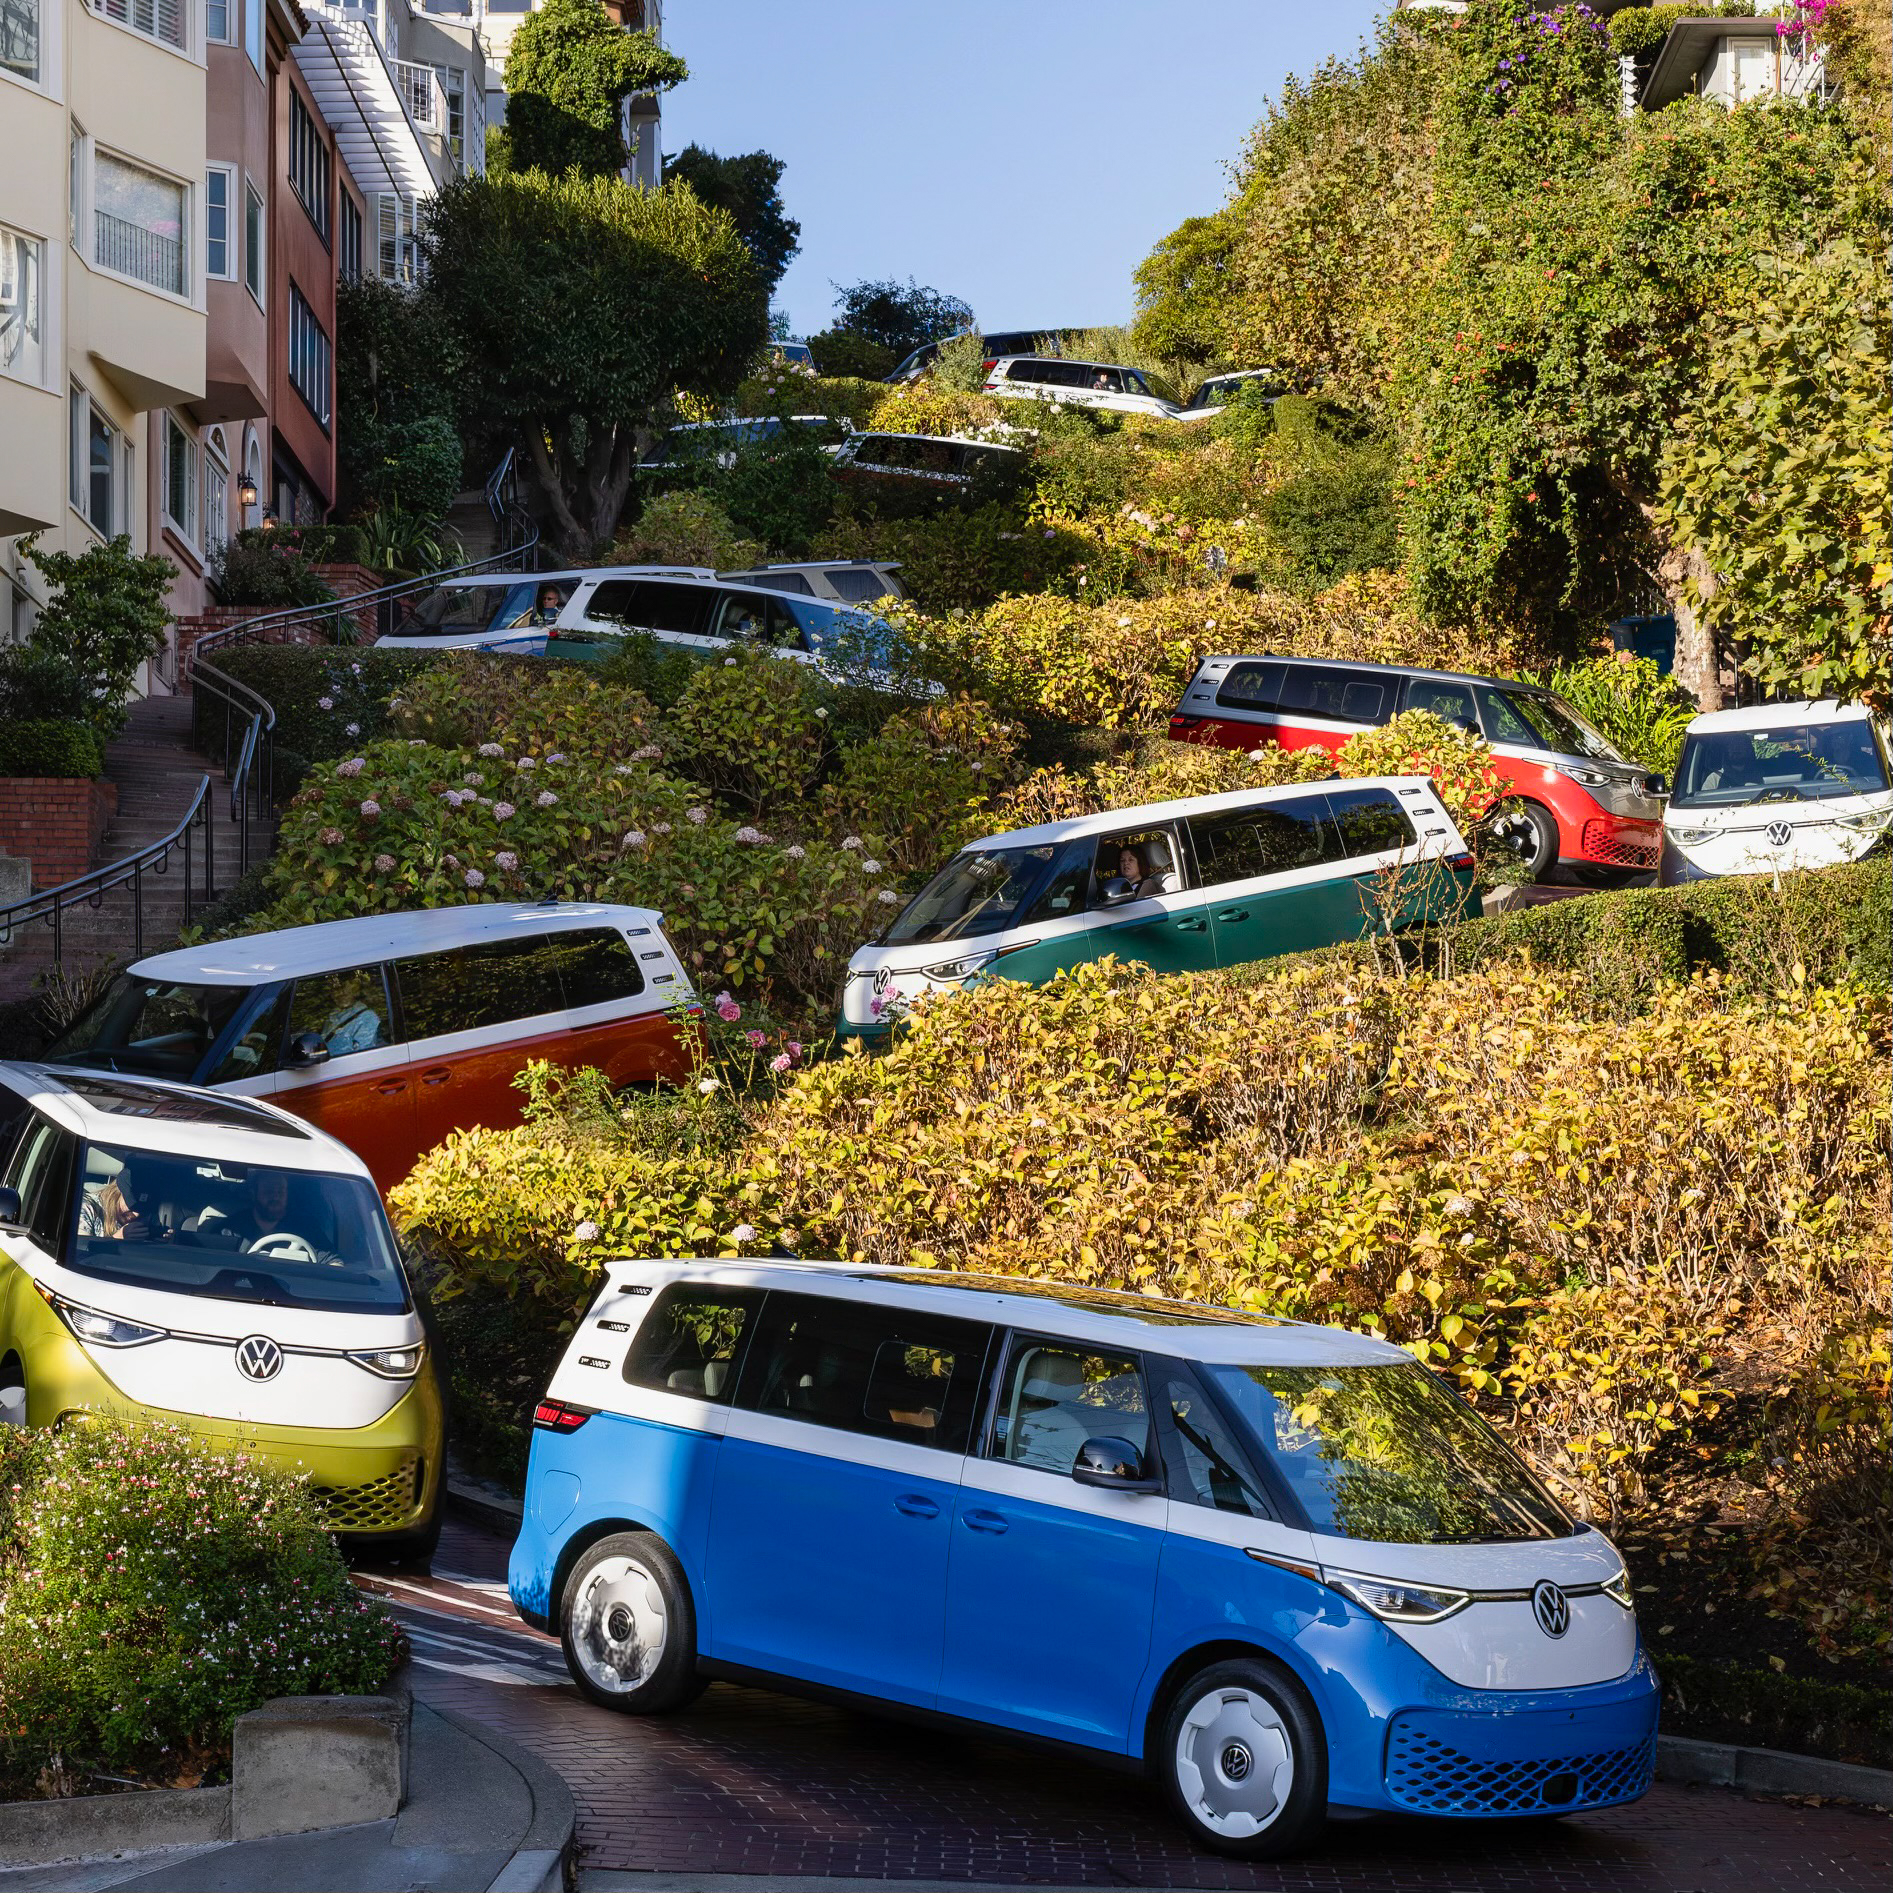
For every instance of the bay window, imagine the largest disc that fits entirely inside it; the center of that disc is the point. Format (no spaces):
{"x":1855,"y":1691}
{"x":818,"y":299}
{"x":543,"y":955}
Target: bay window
{"x":22,"y":309}
{"x":138,"y":221}
{"x":21,"y":39}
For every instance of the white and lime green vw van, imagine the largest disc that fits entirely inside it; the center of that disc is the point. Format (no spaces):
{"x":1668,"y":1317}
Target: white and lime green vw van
{"x":1217,"y":880}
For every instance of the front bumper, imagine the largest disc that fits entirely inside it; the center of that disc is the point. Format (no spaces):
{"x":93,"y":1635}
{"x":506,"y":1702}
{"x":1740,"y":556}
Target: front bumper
{"x":1619,"y":841}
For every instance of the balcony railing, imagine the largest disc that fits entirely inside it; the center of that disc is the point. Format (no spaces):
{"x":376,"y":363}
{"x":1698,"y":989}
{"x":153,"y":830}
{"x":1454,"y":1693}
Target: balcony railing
{"x":132,"y":251}
{"x":156,"y":19}
{"x":421,"y":93}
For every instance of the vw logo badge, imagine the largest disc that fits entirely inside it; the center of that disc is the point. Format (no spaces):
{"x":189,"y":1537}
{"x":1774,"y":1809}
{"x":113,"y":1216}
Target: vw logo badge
{"x":1551,"y":1607}
{"x":259,"y":1358}
{"x":1779,"y":834}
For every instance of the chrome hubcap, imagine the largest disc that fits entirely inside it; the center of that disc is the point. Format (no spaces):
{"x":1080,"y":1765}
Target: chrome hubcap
{"x":1235,"y":1764}
{"x":619,"y":1626}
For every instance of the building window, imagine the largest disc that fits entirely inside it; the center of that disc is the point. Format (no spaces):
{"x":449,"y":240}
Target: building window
{"x":220,"y":255}
{"x":394,"y":237}
{"x":217,"y":21}
{"x":255,"y":265}
{"x":20,"y":39}
{"x":253,"y":33}
{"x":180,"y":479}
{"x":349,"y":256}
{"x":309,"y":356}
{"x":138,"y":224}
{"x":161,"y":20}
{"x":309,"y":163}
{"x":95,"y":466}
{"x":453,"y":84}
{"x":216,"y":494}
{"x":75,"y":185}
{"x":22,"y":311}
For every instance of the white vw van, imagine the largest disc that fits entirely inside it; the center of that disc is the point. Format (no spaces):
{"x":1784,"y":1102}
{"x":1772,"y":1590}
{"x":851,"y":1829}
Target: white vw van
{"x":1776,"y":787}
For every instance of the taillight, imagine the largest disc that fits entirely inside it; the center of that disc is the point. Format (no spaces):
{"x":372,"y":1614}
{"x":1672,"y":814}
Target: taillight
{"x":557,"y":1417}
{"x":986,"y":368}
{"x":1181,"y":725}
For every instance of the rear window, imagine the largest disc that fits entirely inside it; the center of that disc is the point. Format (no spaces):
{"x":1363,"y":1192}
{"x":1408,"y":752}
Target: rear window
{"x":1370,"y":821}
{"x":689,"y":1342}
{"x":1331,"y":692}
{"x":857,"y":586}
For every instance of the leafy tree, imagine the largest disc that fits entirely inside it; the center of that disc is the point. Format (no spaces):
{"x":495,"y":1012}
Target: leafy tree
{"x":750,"y":189}
{"x":1184,"y":292}
{"x":578,"y":303}
{"x":570,"y":70}
{"x":1780,"y":474}
{"x":900,"y":317}
{"x":842,"y":352}
{"x":395,"y":377}
{"x":105,"y":616}
{"x":1333,"y":514}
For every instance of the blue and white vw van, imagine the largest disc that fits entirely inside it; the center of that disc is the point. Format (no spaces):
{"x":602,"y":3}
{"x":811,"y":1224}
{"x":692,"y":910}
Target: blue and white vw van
{"x":1213,"y":880}
{"x":1278,"y":1566}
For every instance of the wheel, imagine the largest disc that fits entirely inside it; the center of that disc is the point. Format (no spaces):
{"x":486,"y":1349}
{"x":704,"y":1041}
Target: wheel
{"x":12,"y":1392}
{"x":1528,"y":831}
{"x":1244,"y":1762}
{"x":629,"y":1627}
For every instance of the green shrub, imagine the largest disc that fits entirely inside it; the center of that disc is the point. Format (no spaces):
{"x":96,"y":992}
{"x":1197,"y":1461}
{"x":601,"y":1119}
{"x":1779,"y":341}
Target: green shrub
{"x":321,"y":545}
{"x":1637,"y":31}
{"x":411,"y":466}
{"x":266,"y":571}
{"x":154,"y":1591}
{"x":752,"y":728}
{"x":842,"y":352}
{"x":780,"y":490}
{"x":685,"y":528}
{"x":318,"y":691}
{"x":1630,"y":700}
{"x":1756,"y":1708}
{"x":42,"y":746}
{"x":957,"y":560}
{"x":656,"y":670}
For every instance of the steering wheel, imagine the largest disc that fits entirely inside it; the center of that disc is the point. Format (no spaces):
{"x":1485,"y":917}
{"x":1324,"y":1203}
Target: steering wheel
{"x":283,"y":1245}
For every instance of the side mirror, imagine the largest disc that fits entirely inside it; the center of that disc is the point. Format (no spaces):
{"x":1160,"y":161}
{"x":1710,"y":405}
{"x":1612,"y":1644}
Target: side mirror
{"x":1115,"y":1464}
{"x":1117,"y":889}
{"x":1656,"y":785}
{"x":308,"y":1048}
{"x":11,"y":1215}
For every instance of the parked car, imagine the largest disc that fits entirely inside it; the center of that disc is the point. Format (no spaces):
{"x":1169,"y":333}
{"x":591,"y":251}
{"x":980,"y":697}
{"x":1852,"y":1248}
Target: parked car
{"x":1217,"y":880}
{"x":839,"y":581}
{"x":1776,"y":787}
{"x":999,"y":342}
{"x":506,"y":612}
{"x":1215,"y":394}
{"x":1274,"y":1566}
{"x":390,"y":1031}
{"x":1082,"y":384}
{"x":1571,"y":797}
{"x":794,"y":355}
{"x":904,"y":465}
{"x":168,"y":1253}
{"x":696,"y":445}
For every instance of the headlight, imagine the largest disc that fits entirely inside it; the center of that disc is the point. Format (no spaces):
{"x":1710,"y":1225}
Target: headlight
{"x":1692,"y":837}
{"x":961,"y":969}
{"x":1868,"y":819}
{"x":1591,"y":778}
{"x":1397,"y":1603}
{"x":1618,"y":1587}
{"x":104,"y":1330}
{"x":391,"y":1363}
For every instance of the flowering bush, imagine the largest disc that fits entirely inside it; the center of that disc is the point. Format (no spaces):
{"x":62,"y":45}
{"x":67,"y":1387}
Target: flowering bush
{"x":749,"y":729}
{"x":524,"y":706}
{"x":152,"y":1591}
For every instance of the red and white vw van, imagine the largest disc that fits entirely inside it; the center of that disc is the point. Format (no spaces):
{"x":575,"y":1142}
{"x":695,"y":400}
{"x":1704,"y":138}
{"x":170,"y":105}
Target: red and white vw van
{"x":1570,"y":796}
{"x":392,"y":1030}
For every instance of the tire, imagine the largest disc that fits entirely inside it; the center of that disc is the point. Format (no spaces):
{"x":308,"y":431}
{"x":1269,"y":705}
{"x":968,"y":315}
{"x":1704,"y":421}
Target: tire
{"x":412,"y":1550}
{"x":1527,"y":830}
{"x":12,"y":1392}
{"x":628,"y":1626}
{"x":1244,"y":1762}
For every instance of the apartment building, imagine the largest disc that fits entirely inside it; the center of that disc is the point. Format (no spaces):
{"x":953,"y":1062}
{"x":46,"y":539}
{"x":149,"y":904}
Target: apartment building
{"x":103,"y":306}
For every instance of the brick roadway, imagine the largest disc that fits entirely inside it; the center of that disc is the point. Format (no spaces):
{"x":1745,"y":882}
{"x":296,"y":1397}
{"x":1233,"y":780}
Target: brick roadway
{"x":751,"y":1783}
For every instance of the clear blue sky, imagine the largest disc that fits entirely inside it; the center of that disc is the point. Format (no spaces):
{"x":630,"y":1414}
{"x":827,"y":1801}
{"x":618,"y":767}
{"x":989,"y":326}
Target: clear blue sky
{"x":1024,"y":157}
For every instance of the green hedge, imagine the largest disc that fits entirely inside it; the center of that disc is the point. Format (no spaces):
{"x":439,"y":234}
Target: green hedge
{"x":1714,"y":1702}
{"x":44,"y":746}
{"x":295,"y":679}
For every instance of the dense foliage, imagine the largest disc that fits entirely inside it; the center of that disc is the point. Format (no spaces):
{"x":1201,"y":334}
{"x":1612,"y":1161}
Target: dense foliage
{"x":47,"y":746}
{"x":749,"y":187}
{"x":899,"y":316}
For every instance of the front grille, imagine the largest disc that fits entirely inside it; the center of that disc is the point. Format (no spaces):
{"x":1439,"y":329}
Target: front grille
{"x":1433,"y":1777}
{"x":383,"y":1504}
{"x":1603,"y":843}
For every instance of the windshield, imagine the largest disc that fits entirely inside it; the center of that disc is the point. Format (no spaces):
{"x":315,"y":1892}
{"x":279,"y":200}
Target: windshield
{"x":237,"y":1231}
{"x":1542,"y":722}
{"x":1214,"y":394}
{"x":1162,"y":389}
{"x":148,"y":1026}
{"x":1793,"y":762}
{"x":981,"y":891}
{"x":461,"y":608}
{"x":1387,"y":1453}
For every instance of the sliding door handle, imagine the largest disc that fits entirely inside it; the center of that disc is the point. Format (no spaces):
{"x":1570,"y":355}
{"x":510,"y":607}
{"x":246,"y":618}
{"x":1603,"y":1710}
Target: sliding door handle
{"x":1232,"y":913}
{"x":1197,"y":925}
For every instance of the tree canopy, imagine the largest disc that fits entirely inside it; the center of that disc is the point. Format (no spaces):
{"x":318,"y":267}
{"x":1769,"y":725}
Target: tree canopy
{"x":749,"y":187}
{"x":899,"y":317}
{"x":570,"y":70}
{"x":577,"y":304}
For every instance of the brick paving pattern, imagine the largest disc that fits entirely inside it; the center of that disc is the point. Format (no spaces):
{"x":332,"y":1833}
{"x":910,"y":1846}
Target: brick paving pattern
{"x":752,"y":1783}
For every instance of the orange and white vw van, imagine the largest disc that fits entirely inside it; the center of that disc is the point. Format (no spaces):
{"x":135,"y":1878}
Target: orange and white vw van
{"x":392,"y":1030}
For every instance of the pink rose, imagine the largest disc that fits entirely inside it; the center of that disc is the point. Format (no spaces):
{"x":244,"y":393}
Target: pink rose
{"x":780,"y":1063}
{"x":756,"y":1040}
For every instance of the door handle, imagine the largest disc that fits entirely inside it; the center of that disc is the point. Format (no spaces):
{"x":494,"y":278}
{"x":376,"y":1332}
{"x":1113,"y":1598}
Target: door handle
{"x":985,"y":1521}
{"x":437,"y":1075}
{"x":392,"y":1086}
{"x":1192,"y":926}
{"x":916,"y":1505}
{"x":1232,"y":913}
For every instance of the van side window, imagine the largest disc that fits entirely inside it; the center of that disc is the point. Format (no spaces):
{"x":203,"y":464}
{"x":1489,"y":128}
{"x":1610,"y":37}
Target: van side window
{"x":347,"y":1011}
{"x":489,"y":983}
{"x":1205,"y":1464}
{"x":866,"y":1368}
{"x":15,"y":1114}
{"x":1058,"y":1394}
{"x":42,"y":1172}
{"x":595,"y":966}
{"x":689,"y":1341}
{"x":1339,"y":696}
{"x":1451,"y":703}
{"x":1253,"y":687}
{"x":1267,"y":840}
{"x":1370,"y":821}
{"x":857,"y":587}
{"x":756,"y":618}
{"x":652,"y":605}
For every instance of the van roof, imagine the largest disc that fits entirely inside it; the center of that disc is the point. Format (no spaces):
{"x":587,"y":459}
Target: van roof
{"x":1768,"y":716}
{"x":329,"y":945}
{"x":1091,"y":1314}
{"x":572,"y":574}
{"x":1153,"y":812}
{"x":178,"y":1120}
{"x":1377,"y":670}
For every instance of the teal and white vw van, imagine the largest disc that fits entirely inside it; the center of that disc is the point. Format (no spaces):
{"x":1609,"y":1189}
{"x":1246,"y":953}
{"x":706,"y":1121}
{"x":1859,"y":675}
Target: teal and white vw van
{"x":1217,"y":880}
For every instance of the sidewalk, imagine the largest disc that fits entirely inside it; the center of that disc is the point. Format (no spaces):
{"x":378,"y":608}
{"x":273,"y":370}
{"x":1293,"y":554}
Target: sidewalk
{"x":482,"y":1816}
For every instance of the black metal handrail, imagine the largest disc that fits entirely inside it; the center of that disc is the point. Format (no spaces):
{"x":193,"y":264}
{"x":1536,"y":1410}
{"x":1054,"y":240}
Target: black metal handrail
{"x":52,"y":904}
{"x":247,"y":746}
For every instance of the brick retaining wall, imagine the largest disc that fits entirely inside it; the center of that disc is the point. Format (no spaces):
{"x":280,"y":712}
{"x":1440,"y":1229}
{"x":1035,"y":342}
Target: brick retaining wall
{"x":345,"y":581}
{"x":56,"y":822}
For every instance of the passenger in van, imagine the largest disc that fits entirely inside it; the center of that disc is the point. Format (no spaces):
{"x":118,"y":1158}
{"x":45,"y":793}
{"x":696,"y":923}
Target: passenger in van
{"x":116,"y":1210}
{"x":1132,"y":873}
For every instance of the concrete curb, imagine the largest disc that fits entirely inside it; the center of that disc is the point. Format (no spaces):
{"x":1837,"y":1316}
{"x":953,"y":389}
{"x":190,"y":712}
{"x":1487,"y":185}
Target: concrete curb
{"x":544,"y":1858}
{"x":484,"y":1505}
{"x":36,"y":1833}
{"x":1770,"y":1771}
